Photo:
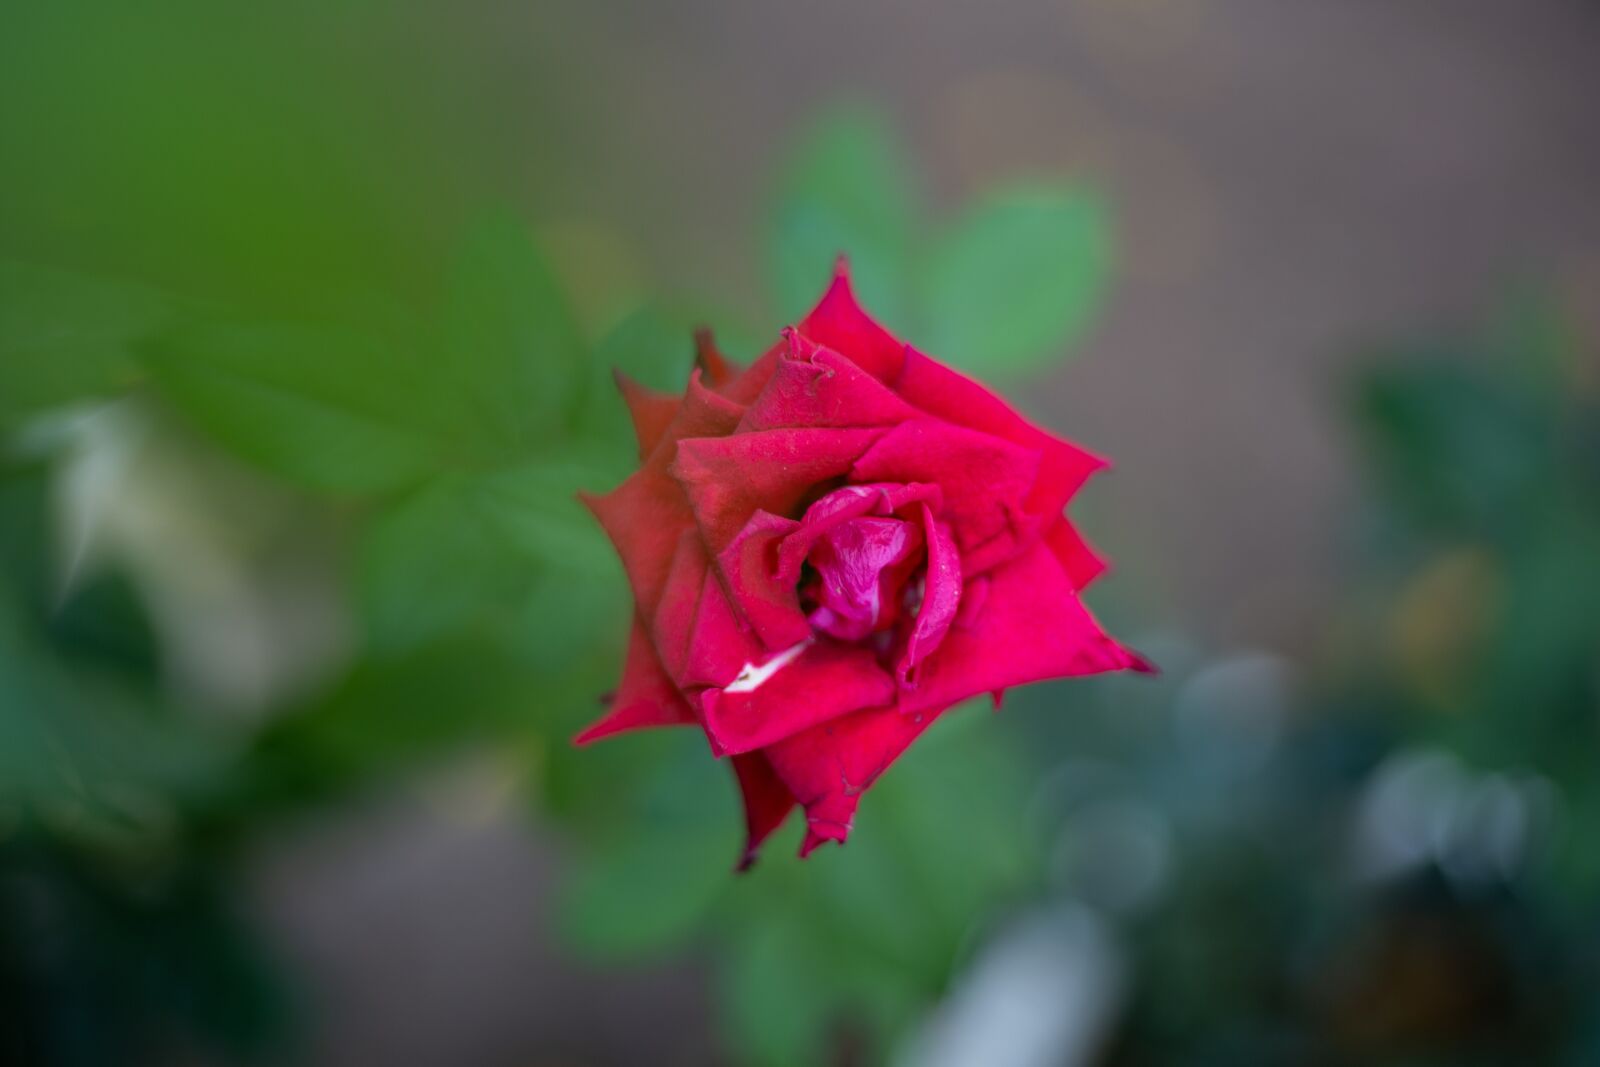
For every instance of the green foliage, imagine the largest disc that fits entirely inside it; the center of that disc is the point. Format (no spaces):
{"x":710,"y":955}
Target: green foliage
{"x":511,"y":346}
{"x":1001,"y":290}
{"x":844,"y":947}
{"x":64,"y":337}
{"x":1019,"y":274}
{"x":846,"y":190}
{"x":330,"y":410}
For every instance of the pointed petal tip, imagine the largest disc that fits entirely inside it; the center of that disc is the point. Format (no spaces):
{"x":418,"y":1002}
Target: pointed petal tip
{"x":1141,"y":664}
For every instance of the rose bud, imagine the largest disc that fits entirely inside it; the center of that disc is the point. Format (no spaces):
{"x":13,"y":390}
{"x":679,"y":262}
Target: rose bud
{"x":829,"y":549}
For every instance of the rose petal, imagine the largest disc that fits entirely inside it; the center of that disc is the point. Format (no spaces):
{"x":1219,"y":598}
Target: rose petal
{"x":828,"y":767}
{"x":826,"y":680}
{"x":851,"y":559}
{"x":816,"y":386}
{"x":720,"y":643}
{"x":750,"y":569}
{"x":746,"y":387}
{"x":646,"y":514}
{"x":719,"y":371}
{"x":672,"y":623}
{"x":727,"y":479}
{"x":851,"y":502}
{"x":1032,"y":626}
{"x":1077,"y":557}
{"x":984,"y":478}
{"x":645,"y":698}
{"x":941,"y":597}
{"x":839,"y":323}
{"x":938,"y":390}
{"x":652,"y":412}
{"x":767,"y":802}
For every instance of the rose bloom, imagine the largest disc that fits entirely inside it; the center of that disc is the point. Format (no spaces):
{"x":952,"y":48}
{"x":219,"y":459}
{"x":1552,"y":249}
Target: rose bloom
{"x":830,"y":549}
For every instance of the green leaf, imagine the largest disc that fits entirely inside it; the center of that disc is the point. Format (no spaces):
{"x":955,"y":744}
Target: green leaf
{"x":774,"y":997}
{"x":846,"y":191}
{"x":65,"y":336}
{"x":512,"y":350}
{"x":648,"y":893}
{"x":1016,"y":280}
{"x":513,"y":543}
{"x":326,"y":409}
{"x":1453,"y":447}
{"x":432,"y":564}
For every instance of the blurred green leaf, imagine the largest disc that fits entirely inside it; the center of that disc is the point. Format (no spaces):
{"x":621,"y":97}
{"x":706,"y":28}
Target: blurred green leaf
{"x":1452,"y":448}
{"x":847,"y":190}
{"x":1016,"y":279}
{"x":777,"y":1003}
{"x":511,"y":345}
{"x":513,"y":541}
{"x":431,"y":564}
{"x":66,"y":336}
{"x":323,"y":408}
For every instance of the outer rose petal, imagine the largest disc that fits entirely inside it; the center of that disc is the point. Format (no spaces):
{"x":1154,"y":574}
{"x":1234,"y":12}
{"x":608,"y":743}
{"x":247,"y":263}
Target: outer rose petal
{"x":767,"y":802}
{"x":646,"y":513}
{"x":827,"y":680}
{"x":728,"y":479}
{"x":746,"y":387}
{"x":1076,"y":556}
{"x":938,"y":390}
{"x":985,"y":479}
{"x":828,"y":767}
{"x":719,"y":371}
{"x":812,"y":385}
{"x":646,"y":696}
{"x":652,"y":412}
{"x":838,"y":322}
{"x":1031,"y":627}
{"x":672,"y":624}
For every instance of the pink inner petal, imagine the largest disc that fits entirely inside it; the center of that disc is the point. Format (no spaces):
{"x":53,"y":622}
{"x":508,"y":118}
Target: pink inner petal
{"x":855,"y":560}
{"x":941,"y":597}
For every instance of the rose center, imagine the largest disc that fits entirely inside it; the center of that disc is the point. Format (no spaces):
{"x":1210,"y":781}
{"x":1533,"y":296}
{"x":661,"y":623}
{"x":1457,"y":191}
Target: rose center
{"x":861,"y":569}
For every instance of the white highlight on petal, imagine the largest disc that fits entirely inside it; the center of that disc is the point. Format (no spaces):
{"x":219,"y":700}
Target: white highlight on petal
{"x":753,"y":677}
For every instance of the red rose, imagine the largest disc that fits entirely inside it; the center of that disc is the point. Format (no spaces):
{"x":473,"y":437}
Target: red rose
{"x":830,"y":549}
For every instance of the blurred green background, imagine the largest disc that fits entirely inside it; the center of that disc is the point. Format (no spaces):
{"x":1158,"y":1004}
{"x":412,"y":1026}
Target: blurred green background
{"x":307,"y":316}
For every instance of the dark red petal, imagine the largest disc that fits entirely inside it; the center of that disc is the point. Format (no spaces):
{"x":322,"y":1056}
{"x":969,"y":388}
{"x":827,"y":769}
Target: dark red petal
{"x":815,"y":386}
{"x":940,"y":391}
{"x":719,"y":371}
{"x":828,"y":767}
{"x":984,"y":478}
{"x":646,"y":514}
{"x":765,"y":597}
{"x":672,"y":622}
{"x":941,"y":597}
{"x":652,"y":412}
{"x":646,"y":697}
{"x":839,"y":323}
{"x":746,"y":387}
{"x":767,"y":802}
{"x":728,"y":479}
{"x":720,"y":643}
{"x":1032,"y":626}
{"x":823,"y":682}
{"x":1077,"y":557}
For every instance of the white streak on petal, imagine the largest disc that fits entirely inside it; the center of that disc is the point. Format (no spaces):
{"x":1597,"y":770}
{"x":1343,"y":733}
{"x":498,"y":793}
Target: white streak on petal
{"x":753,"y":677}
